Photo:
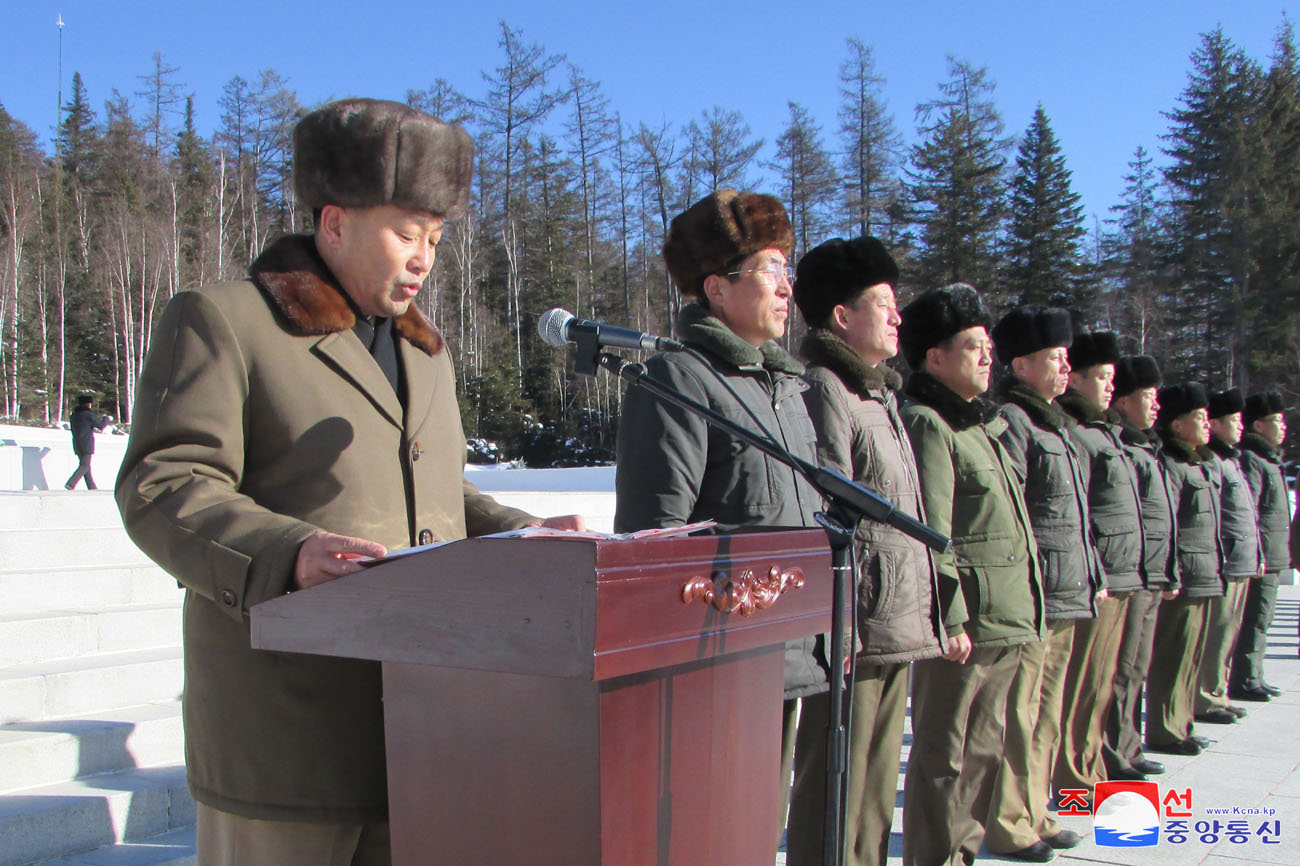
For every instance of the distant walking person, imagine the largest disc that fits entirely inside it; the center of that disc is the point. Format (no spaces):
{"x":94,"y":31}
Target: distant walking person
{"x":85,"y":421}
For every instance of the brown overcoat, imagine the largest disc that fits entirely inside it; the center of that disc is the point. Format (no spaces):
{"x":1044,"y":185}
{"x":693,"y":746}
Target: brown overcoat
{"x":260,"y":418}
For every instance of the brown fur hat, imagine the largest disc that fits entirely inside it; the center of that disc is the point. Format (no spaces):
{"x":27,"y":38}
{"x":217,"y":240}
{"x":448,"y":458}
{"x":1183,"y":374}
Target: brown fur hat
{"x":836,"y":272}
{"x":1228,"y":402}
{"x":1135,"y":372}
{"x":720,"y":228}
{"x":1262,"y":405}
{"x":1030,"y":328}
{"x":937,"y":315}
{"x":1091,"y":349}
{"x":367,"y":152}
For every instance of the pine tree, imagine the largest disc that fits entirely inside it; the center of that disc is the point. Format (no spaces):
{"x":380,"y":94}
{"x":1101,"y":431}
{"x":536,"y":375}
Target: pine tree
{"x":808,"y":179}
{"x":162,"y":95}
{"x":1275,"y":320}
{"x":721,"y":152}
{"x":957,"y":185}
{"x":1212,"y":176}
{"x":1044,"y":224}
{"x":1133,"y":252}
{"x":871,"y":144}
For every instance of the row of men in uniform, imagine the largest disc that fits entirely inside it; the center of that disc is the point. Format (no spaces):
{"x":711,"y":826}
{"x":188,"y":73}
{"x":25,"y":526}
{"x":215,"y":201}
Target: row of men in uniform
{"x":1098,"y":545}
{"x":288,"y":424}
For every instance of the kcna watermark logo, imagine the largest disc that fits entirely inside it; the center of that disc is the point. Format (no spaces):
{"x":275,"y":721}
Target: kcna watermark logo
{"x":1130,"y":814}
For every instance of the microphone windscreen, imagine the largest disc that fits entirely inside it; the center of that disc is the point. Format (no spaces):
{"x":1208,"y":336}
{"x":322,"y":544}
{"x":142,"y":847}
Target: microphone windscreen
{"x":552,"y":324}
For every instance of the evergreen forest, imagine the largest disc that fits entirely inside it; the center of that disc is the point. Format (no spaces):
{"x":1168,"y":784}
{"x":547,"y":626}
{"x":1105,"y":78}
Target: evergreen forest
{"x":1198,"y":263}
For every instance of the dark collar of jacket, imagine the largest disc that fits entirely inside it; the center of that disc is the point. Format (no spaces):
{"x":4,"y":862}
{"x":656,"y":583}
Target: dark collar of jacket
{"x":958,"y":413}
{"x":1256,"y":444}
{"x":1223,"y":449}
{"x":824,"y":348}
{"x":709,"y":333}
{"x":1041,"y":412}
{"x":1129,"y":434}
{"x":1181,"y":451}
{"x":292,"y":272}
{"x":1081,"y":409}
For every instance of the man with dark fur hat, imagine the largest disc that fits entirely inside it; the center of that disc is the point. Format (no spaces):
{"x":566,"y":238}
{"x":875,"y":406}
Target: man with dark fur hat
{"x":990,"y":587}
{"x":284,"y":426}
{"x":1134,"y":406}
{"x":1115,"y":517}
{"x":1261,"y":462}
{"x":1184,"y":425}
{"x":727,"y":256}
{"x":1033,"y":341}
{"x":1242,"y":561}
{"x":845,"y":291}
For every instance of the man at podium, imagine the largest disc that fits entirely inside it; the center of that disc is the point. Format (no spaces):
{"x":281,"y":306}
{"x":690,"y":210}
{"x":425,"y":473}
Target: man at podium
{"x":727,"y":255}
{"x":284,"y":426}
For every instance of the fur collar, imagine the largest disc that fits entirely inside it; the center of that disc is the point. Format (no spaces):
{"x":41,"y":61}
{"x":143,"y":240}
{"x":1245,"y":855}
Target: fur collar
{"x":1081,"y":408}
{"x":1256,"y":444}
{"x":293,"y":274}
{"x":824,"y":348}
{"x":1223,"y":449}
{"x":1043,"y":413}
{"x":708,"y":332}
{"x":1182,"y":452}
{"x":960,"y":414}
{"x":1129,"y":434}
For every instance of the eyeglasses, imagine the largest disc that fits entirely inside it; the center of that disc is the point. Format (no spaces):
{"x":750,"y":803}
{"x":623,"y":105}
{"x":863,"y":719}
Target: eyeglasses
{"x":772,"y":269}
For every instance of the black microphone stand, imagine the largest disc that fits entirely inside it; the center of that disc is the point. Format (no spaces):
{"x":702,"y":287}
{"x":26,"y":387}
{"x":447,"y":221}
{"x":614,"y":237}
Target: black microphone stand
{"x":849,"y":503}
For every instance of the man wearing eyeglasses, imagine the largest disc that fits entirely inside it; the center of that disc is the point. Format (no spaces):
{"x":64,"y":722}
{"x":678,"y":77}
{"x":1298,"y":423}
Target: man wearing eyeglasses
{"x":727,"y":255}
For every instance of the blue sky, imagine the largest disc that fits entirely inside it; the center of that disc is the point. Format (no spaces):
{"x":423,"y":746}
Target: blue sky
{"x":1104,"y":71}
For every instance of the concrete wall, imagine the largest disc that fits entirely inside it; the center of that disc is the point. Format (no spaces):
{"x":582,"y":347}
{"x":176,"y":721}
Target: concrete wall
{"x":35,"y":458}
{"x":38,"y":458}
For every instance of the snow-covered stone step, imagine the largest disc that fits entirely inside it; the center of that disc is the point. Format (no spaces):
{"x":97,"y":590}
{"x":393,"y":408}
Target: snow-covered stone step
{"x":75,"y":687}
{"x":37,"y":509}
{"x":60,"y":545}
{"x":73,"y":817}
{"x":57,"y":750}
{"x":170,"y":849}
{"x":25,"y":590}
{"x":38,"y":636}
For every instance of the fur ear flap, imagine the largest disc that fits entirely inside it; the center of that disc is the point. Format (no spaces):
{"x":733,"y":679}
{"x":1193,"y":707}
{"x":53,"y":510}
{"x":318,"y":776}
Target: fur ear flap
{"x":835,"y":271}
{"x":1262,"y":405}
{"x":1089,"y":350}
{"x":937,"y":315}
{"x":1178,"y":400}
{"x":368,"y":152}
{"x":1030,"y":328}
{"x":1135,"y":372}
{"x":1228,"y":402}
{"x":719,"y":228}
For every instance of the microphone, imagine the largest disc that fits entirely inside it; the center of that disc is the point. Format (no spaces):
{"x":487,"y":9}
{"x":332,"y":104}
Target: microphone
{"x":558,"y":326}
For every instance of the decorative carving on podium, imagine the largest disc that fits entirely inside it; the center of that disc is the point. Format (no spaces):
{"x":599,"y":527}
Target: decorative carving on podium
{"x":747,"y":593}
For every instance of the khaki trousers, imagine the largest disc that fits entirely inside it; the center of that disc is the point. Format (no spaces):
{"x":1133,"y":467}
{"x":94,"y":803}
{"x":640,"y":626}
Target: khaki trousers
{"x":1089,"y":686}
{"x":958,"y":718}
{"x":1222,"y":625}
{"x":1175,"y":660}
{"x":1248,"y":661}
{"x":875,"y":750}
{"x":1123,"y":745}
{"x":1018,"y":808}
{"x":224,"y":839}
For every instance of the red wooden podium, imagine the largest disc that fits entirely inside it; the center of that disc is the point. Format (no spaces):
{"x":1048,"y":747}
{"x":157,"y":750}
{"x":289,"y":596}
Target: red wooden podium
{"x":572,"y":702}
